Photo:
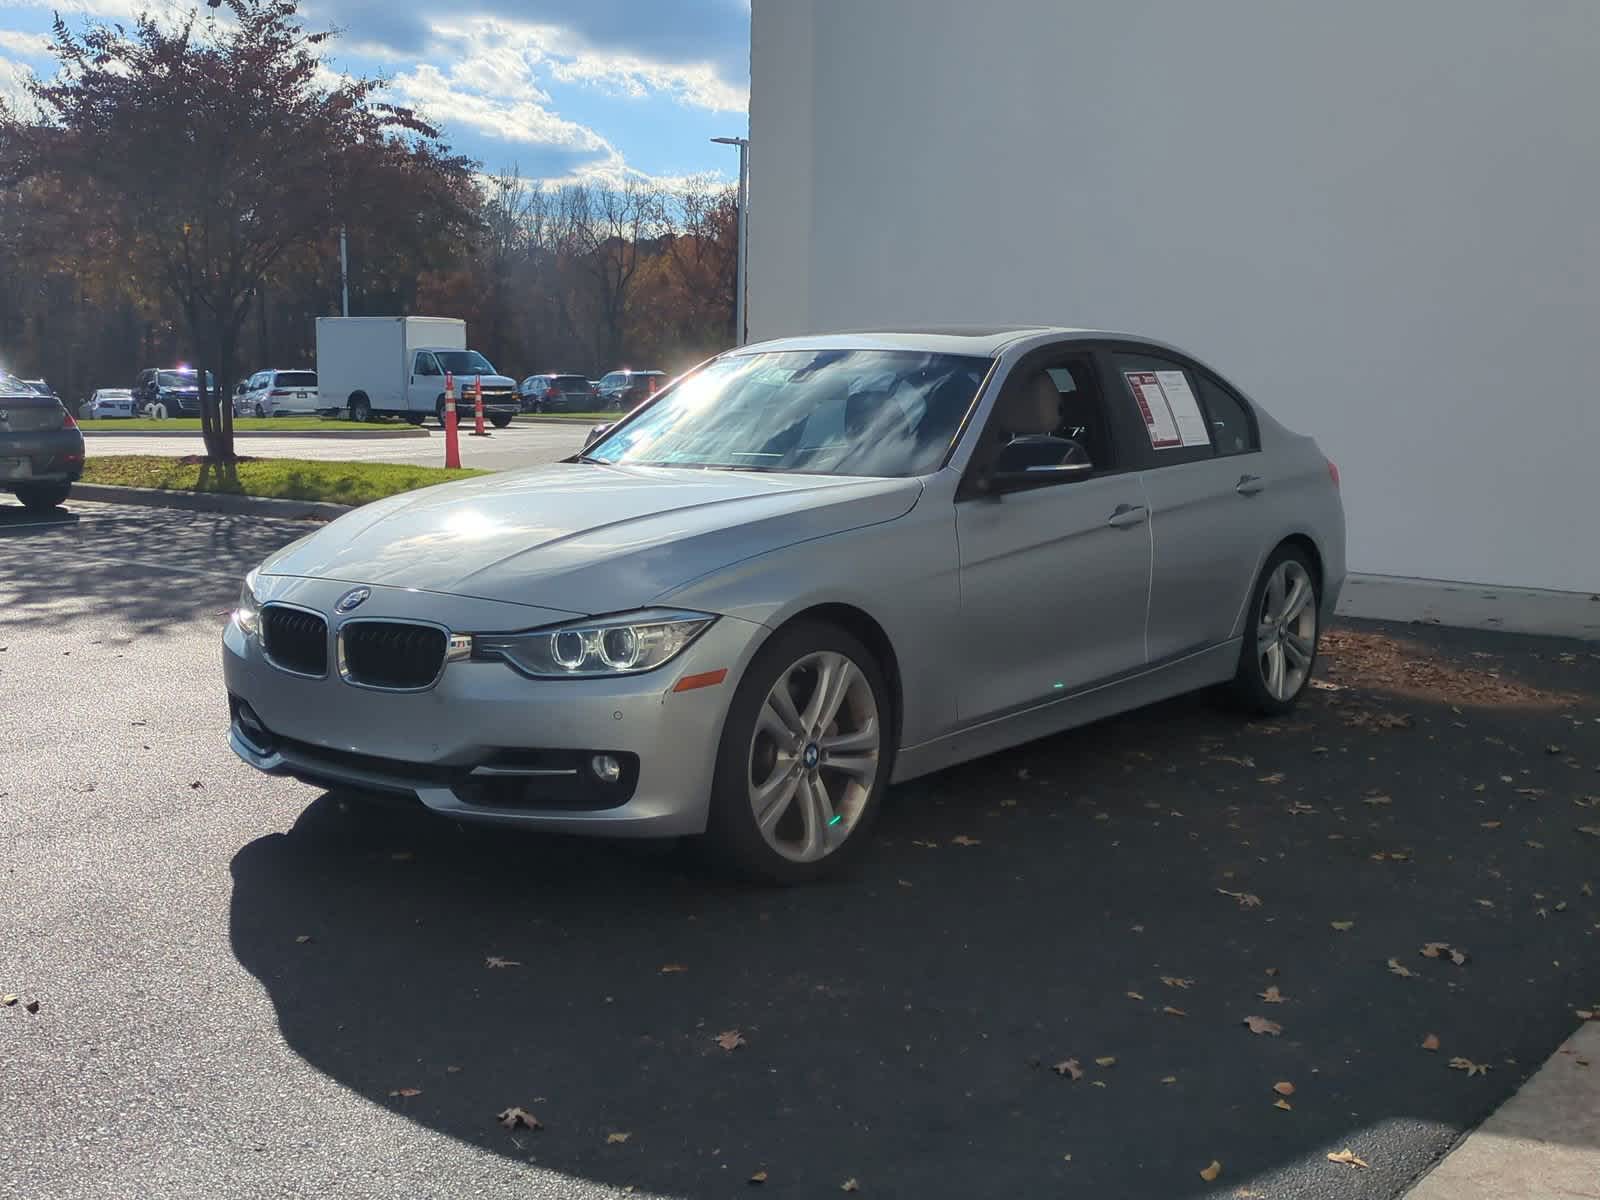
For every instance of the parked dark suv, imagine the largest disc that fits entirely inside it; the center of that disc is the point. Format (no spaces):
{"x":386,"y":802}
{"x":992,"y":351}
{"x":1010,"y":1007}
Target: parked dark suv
{"x":41,"y":447}
{"x":177,"y":389}
{"x":623,"y":390}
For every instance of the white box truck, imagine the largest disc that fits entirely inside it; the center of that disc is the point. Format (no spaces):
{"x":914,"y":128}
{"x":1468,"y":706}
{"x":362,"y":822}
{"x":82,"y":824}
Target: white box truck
{"x":396,"y":366}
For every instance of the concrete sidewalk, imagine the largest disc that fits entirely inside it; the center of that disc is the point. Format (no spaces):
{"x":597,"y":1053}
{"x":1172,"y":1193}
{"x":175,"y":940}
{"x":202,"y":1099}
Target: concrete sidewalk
{"x":1542,"y":1144}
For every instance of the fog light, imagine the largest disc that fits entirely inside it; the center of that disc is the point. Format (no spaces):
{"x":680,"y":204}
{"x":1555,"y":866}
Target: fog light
{"x":606,"y":769}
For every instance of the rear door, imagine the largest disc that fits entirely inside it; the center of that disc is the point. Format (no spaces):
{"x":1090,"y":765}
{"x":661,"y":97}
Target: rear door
{"x":1208,"y":503}
{"x":1054,"y":578}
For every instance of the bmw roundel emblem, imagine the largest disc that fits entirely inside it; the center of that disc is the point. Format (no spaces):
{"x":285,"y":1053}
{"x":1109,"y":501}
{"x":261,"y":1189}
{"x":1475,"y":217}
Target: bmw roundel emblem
{"x":352,"y":600}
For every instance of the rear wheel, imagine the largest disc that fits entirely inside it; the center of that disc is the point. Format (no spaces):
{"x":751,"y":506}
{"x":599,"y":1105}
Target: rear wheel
{"x":804,"y":759}
{"x":415,"y":418}
{"x":1280,"y":639}
{"x":500,"y":420}
{"x":360,"y":409}
{"x":438,"y":412}
{"x":43,"y":496}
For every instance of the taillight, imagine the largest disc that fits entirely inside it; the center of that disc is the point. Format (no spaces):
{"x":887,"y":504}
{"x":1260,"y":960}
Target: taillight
{"x":553,"y":394}
{"x":1333,"y":473}
{"x":68,"y":421}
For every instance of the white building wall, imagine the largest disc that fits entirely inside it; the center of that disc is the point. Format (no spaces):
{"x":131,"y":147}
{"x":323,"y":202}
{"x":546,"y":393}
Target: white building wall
{"x":1380,"y":217}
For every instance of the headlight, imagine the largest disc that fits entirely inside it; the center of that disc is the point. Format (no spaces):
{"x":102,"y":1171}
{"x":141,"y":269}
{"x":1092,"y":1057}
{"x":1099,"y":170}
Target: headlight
{"x":605,"y":646}
{"x":248,"y":614}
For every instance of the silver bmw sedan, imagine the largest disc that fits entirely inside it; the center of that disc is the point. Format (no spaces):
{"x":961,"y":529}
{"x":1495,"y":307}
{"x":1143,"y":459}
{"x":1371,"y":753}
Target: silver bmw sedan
{"x":806,"y":570}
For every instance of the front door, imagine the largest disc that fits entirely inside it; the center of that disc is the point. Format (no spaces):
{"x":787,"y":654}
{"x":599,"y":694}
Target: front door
{"x":427,"y":383}
{"x":1054,"y":578}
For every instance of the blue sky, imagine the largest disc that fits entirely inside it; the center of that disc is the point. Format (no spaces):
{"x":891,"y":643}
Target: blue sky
{"x":561,"y":89}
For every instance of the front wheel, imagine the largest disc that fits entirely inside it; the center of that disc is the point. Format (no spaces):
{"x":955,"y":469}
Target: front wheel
{"x":805,"y":757}
{"x":1280,"y":640}
{"x":260,"y":411}
{"x":500,"y":420}
{"x":42,"y":497}
{"x":415,"y":419}
{"x":361,"y":409}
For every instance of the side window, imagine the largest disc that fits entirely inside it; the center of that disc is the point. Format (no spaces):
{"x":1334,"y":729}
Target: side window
{"x":258,"y":381}
{"x":426,"y":365}
{"x":1166,"y":406}
{"x":1232,"y":428}
{"x":1050,"y":417}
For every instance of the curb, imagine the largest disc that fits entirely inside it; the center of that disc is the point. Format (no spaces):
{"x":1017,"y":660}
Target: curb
{"x":352,"y":435}
{"x":558,"y":419}
{"x":216,"y":502}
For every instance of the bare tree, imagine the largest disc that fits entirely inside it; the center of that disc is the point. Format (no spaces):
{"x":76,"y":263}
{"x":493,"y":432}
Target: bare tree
{"x":611,"y":230}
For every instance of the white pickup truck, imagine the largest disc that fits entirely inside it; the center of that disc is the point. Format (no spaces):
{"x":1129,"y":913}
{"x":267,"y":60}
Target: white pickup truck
{"x":396,"y":366}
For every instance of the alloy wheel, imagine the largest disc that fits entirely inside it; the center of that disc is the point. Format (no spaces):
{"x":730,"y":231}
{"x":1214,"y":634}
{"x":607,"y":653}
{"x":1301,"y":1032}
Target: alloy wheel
{"x":814,"y":756}
{"x":1286,"y":636}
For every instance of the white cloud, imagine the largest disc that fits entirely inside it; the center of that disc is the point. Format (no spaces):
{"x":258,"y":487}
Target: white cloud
{"x":33,"y":44}
{"x":14,"y":77}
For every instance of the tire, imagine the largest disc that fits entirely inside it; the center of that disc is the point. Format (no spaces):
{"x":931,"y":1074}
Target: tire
{"x":438,"y":412}
{"x":415,"y":419}
{"x":360,"y":409}
{"x":42,"y":497}
{"x":260,"y":411}
{"x":500,"y":420}
{"x":802,"y":842}
{"x":1279,"y":652}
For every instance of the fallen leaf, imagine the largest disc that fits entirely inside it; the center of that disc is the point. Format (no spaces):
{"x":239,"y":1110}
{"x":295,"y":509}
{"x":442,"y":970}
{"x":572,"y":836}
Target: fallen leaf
{"x":1107,"y":1061}
{"x":1135,"y":996}
{"x":31,"y":1006}
{"x":1210,"y":1173}
{"x":1069,"y":1067}
{"x":1283,"y":1104}
{"x":1431,"y":1042}
{"x":1099,"y":1083}
{"x":730,"y":1040}
{"x":1169,"y":1079}
{"x":1466,"y":1064}
{"x":1481,"y":903}
{"x":1343,"y":926}
{"x":452,"y":1070}
{"x":616,"y":1139}
{"x":925,"y":845}
{"x":1272,"y":995}
{"x":519,"y":1118}
{"x":1240,"y":760}
{"x":1262,"y":1025}
{"x":962,"y":839}
{"x":303,"y":939}
{"x":1491,"y":824}
{"x":196,"y":785}
{"x":1587,"y":889}
{"x":1348,"y":1157}
{"x":758,"y":1178}
{"x":1275,"y":777}
{"x":674,"y":969}
{"x":1375,"y":801}
{"x":1592,"y":830}
{"x":1174,"y":1012}
{"x":1396,"y":969}
{"x":7,"y":1000}
{"x":905,"y":883}
{"x":1245,"y":899}
{"x":1459,"y":957}
{"x":495,"y":962}
{"x":402,"y":856}
{"x":1300,"y":808}
{"x":850,"y":1185}
{"x":406,"y":1092}
{"x":1284,"y":1089}
{"x":1172,"y":981}
{"x":1272,"y":972}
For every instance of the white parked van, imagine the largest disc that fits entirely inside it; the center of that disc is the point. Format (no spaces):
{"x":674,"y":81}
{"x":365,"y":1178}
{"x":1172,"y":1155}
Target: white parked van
{"x":396,"y":366}
{"x":278,"y":394}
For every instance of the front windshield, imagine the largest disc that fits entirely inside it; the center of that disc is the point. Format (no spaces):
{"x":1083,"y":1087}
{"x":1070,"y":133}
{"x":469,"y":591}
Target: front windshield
{"x":463,"y":362}
{"x":185,"y":379}
{"x":819,"y":412}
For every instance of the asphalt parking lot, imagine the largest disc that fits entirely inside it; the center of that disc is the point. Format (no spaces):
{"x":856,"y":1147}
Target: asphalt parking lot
{"x":518,"y":445}
{"x":244,"y":990}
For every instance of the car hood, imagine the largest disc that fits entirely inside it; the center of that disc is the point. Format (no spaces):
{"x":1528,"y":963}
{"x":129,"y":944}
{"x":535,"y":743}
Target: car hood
{"x":582,"y":538}
{"x":491,"y":383}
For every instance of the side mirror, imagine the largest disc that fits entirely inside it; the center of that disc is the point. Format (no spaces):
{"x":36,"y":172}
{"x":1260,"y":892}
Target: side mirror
{"x":598,"y":432}
{"x":1036,"y":461}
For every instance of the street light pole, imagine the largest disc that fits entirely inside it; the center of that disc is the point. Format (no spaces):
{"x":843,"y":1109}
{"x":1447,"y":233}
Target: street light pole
{"x":344,"y":268}
{"x":740,"y":323}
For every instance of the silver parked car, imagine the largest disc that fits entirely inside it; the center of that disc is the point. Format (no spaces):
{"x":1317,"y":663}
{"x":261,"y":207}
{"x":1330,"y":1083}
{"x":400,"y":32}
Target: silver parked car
{"x":806,"y":570}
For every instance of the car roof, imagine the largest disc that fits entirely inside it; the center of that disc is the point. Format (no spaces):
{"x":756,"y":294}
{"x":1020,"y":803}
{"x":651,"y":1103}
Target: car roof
{"x":982,"y":340}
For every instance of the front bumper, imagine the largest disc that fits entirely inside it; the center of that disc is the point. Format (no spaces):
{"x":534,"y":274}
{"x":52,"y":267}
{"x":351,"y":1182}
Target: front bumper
{"x":487,"y":744}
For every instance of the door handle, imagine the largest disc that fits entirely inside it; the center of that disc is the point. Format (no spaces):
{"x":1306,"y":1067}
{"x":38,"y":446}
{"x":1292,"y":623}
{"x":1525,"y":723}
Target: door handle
{"x":1127,"y":516}
{"x":1250,"y":485}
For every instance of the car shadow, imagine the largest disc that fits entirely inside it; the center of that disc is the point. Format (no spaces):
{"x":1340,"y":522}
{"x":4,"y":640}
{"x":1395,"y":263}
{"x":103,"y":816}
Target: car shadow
{"x":17,"y":521}
{"x":1121,"y":898}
